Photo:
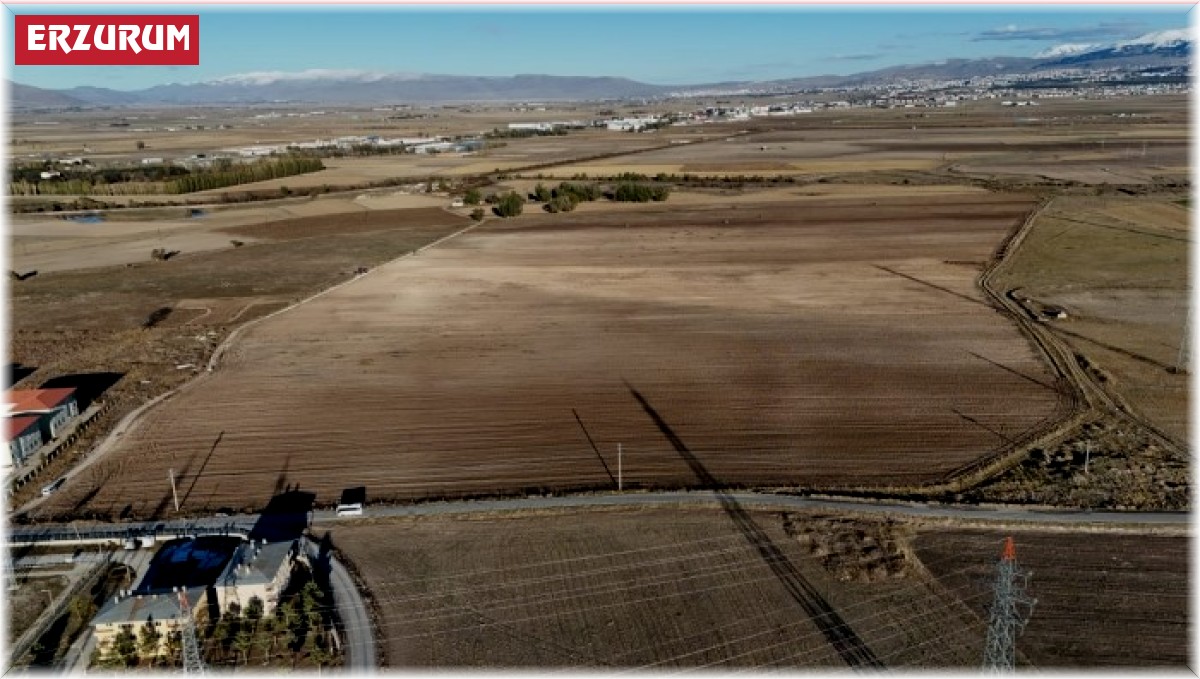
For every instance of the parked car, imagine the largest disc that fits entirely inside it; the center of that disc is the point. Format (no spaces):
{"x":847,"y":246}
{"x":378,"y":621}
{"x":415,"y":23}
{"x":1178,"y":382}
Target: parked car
{"x":46,"y":490}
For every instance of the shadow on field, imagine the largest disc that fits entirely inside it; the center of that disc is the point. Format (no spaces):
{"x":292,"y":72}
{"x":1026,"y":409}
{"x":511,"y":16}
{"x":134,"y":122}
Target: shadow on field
{"x":18,"y":372}
{"x":202,"y":466}
{"x":594,"y":448}
{"x":1115,"y":349}
{"x":88,"y":386}
{"x":1013,"y":371}
{"x":285,"y":517}
{"x":853,"y":651}
{"x":935,"y":286}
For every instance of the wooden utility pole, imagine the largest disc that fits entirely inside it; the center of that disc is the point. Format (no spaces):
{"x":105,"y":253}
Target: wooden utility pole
{"x":174,"y":495}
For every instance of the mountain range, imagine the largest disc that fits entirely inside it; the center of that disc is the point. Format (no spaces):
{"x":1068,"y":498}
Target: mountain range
{"x":1164,"y":49}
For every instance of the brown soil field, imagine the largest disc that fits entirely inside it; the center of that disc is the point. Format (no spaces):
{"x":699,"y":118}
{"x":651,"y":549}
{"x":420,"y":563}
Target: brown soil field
{"x":353,"y":222}
{"x":655,"y":589}
{"x":47,"y":243}
{"x":1102,"y":600}
{"x":86,"y":321}
{"x":838,"y":345}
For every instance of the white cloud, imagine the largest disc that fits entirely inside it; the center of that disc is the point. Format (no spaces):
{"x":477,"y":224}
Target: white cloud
{"x":268,"y":77}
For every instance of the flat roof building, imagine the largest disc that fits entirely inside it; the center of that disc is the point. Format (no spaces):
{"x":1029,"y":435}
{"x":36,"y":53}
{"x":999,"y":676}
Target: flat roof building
{"x":257,"y":570}
{"x":131,"y":612}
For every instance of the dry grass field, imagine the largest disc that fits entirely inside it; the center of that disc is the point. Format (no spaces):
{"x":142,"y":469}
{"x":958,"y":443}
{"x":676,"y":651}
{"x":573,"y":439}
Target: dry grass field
{"x":842,"y":344}
{"x":1114,"y":601}
{"x":1119,"y":267}
{"x":657,"y":590}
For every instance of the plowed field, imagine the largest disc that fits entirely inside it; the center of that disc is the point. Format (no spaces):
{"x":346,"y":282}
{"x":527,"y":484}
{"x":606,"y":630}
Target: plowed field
{"x":1102,"y":600}
{"x":655,"y":590}
{"x":808,"y":344}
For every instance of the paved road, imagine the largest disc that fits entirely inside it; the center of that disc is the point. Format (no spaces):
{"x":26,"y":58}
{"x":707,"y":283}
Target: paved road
{"x":76,"y":659}
{"x":244,"y":522}
{"x":358,"y":639}
{"x":914,"y":510}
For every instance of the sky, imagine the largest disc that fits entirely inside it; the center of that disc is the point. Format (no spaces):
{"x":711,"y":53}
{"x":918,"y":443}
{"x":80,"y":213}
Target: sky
{"x":681,"y":46}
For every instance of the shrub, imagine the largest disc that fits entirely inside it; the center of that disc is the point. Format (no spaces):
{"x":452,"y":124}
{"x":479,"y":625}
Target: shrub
{"x":509,"y":205}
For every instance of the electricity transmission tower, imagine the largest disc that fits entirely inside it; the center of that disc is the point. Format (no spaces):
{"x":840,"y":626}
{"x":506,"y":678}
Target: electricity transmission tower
{"x":192,"y":664}
{"x":1011,"y":609}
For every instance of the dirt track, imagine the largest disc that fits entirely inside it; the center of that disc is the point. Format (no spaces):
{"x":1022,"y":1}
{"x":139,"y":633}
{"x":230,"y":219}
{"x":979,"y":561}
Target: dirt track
{"x":838,"y":344}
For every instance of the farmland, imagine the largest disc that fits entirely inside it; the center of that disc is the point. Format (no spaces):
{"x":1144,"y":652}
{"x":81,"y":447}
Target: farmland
{"x":518,"y":356}
{"x":655,"y":589}
{"x":1102,"y":601}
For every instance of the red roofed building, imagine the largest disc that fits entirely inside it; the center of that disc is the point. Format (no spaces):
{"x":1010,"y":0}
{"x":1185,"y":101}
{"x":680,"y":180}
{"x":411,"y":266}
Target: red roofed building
{"x":52,"y":409}
{"x":24,"y":437}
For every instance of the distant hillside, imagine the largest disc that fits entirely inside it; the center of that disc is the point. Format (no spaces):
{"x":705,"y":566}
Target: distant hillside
{"x":29,"y":97}
{"x":1166,"y":48}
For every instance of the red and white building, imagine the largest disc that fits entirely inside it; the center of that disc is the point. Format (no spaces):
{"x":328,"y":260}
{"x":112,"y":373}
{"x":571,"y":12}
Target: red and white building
{"x":49,"y":409}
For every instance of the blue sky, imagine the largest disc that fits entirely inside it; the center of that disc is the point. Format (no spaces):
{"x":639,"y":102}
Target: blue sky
{"x":663,"y":46}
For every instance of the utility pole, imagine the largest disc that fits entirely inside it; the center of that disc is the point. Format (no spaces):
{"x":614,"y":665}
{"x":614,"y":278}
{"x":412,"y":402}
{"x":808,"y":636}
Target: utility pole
{"x":192,"y":664}
{"x":1087,"y":456}
{"x":174,"y":495}
{"x":1010,"y":611}
{"x":620,"y":478}
{"x":1185,"y":354}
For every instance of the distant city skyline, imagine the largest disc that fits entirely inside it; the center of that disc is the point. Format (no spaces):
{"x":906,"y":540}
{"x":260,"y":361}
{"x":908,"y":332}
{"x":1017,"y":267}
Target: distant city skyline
{"x":665,"y":46}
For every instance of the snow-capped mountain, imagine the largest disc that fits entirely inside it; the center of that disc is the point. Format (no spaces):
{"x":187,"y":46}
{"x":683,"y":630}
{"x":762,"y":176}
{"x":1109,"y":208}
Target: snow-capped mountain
{"x":1152,"y":49}
{"x":1068,"y":49}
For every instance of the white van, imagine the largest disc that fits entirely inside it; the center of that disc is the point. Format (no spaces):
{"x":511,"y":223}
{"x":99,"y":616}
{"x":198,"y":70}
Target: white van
{"x":354,"y":509}
{"x":46,"y":490}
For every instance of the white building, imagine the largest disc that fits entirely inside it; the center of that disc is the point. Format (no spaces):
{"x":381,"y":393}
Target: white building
{"x":626,"y":124}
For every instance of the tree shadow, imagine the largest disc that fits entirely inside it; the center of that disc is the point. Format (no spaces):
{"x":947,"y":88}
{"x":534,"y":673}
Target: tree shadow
{"x":848,"y":645}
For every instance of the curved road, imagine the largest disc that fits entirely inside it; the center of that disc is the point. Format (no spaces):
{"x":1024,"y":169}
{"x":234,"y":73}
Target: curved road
{"x":358,"y":639}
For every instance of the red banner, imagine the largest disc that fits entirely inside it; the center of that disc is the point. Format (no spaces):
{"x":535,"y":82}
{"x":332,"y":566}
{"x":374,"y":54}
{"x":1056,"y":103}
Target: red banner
{"x":107,"y":40}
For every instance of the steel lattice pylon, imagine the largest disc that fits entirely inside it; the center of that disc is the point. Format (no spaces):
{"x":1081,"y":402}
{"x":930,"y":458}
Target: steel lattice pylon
{"x":192,"y":664}
{"x":1010,"y":611}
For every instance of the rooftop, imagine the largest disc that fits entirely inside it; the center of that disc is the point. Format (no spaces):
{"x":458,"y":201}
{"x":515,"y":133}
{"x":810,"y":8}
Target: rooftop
{"x":256,"y":563}
{"x":19,"y":425}
{"x":34,"y":400}
{"x":139,"y":608}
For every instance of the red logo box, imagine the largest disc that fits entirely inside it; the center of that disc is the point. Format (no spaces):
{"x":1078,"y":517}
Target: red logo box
{"x":107,"y":40}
